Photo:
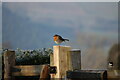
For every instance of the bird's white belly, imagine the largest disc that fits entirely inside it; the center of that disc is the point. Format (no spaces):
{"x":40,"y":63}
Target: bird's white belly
{"x":58,"y":41}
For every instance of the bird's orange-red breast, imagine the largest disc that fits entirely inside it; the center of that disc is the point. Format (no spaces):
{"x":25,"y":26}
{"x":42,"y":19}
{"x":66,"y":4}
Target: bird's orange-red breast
{"x":55,"y":38}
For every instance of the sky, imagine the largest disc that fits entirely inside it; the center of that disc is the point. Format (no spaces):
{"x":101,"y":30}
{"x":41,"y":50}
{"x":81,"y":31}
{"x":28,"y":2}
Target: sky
{"x":32,"y":25}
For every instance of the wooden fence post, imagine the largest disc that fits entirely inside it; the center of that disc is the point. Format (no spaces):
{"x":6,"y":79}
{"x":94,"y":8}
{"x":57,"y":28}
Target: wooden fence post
{"x":9,"y":62}
{"x":60,"y":60}
{"x":51,"y":60}
{"x":65,"y":59}
{"x":44,"y":75}
{"x":75,"y":59}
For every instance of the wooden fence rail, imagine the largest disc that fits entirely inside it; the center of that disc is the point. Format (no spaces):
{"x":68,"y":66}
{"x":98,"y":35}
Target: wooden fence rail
{"x":27,"y":70}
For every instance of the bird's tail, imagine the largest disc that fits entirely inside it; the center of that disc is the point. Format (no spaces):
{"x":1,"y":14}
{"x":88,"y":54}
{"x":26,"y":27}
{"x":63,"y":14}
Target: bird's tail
{"x":66,"y":39}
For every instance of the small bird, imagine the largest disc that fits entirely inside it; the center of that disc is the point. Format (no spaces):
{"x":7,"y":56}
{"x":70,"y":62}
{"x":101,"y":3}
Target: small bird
{"x":110,"y":64}
{"x":58,"y":39}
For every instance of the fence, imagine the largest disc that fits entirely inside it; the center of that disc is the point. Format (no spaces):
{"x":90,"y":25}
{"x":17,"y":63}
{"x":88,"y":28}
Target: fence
{"x":11,"y":70}
{"x":65,"y":63}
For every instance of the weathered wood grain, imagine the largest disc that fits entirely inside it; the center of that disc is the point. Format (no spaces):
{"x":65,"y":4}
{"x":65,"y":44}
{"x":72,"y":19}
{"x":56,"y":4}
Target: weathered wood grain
{"x":44,"y":74}
{"x":61,"y":60}
{"x":75,"y":59}
{"x":27,"y":70}
{"x":9,"y":62}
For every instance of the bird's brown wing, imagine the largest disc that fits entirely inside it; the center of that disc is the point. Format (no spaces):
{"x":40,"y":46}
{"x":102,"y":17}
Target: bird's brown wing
{"x":61,"y":38}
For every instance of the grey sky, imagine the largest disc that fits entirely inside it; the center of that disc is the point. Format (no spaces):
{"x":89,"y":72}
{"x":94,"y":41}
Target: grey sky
{"x":67,"y":14}
{"x":70,"y":19}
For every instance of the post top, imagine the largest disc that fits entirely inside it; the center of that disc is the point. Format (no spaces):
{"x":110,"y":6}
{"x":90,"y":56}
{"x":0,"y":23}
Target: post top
{"x":61,"y":46}
{"x":75,"y":50}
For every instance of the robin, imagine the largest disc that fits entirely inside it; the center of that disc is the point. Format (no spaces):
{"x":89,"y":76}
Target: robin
{"x":58,"y":39}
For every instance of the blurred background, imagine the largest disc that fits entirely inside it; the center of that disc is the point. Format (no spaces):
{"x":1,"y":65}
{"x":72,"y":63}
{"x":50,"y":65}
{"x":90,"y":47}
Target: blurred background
{"x":90,"y":26}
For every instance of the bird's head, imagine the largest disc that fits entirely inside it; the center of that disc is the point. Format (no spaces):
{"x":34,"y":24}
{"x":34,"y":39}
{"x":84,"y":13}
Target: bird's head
{"x":55,"y":37}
